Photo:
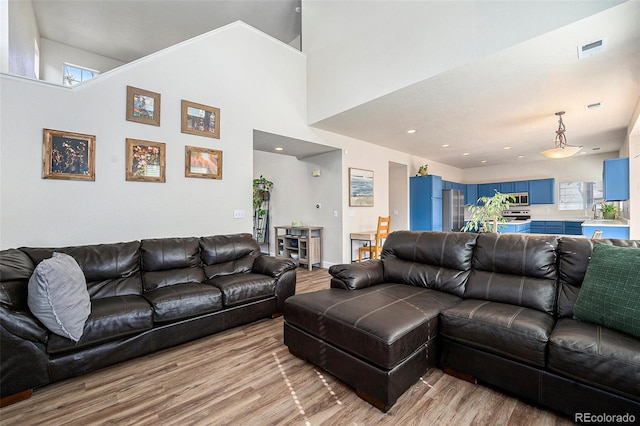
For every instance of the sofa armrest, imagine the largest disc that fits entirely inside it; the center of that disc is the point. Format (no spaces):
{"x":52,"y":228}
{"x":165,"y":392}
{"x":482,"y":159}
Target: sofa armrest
{"x":354,"y":276}
{"x":284,"y":272}
{"x":22,"y":324}
{"x":269,"y":265}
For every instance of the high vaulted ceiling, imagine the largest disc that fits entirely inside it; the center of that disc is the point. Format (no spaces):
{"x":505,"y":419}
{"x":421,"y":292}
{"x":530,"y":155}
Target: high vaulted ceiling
{"x":498,"y":109}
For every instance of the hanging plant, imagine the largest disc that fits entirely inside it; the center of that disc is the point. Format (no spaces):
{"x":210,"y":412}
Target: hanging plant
{"x":261,"y":190}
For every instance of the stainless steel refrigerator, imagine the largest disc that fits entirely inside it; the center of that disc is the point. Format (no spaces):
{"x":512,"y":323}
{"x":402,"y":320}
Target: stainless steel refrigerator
{"x":452,"y":210}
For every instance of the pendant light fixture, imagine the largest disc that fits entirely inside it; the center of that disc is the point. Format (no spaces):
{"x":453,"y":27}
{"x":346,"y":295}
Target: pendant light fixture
{"x":562,"y":149}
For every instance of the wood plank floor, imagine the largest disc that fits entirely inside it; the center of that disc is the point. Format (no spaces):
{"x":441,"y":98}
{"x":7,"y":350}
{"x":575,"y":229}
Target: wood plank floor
{"x":246,"y":376}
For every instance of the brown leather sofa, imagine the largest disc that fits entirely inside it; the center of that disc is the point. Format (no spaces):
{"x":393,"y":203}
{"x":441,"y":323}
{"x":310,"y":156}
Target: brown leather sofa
{"x":145,"y":296}
{"x":487,"y":307}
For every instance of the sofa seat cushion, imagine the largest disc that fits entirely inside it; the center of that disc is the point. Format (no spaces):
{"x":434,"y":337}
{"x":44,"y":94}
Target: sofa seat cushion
{"x":183,"y":300}
{"x":383,"y":324}
{"x":238,"y":289}
{"x":599,"y":356}
{"x":511,"y":331}
{"x":111,"y":318}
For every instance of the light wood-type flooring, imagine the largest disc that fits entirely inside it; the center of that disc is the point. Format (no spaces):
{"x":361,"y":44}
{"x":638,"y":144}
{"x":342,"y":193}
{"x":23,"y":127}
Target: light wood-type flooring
{"x":246,"y":376}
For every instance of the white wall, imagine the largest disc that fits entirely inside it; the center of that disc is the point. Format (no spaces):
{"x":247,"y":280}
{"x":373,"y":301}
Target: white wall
{"x":632,"y":149}
{"x":23,"y":40}
{"x":387,"y":45}
{"x":53,"y":55}
{"x":398,"y":196}
{"x":252,"y":78}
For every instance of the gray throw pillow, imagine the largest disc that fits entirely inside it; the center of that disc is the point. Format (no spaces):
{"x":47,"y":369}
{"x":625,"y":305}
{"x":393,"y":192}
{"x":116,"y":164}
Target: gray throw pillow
{"x":58,"y":296}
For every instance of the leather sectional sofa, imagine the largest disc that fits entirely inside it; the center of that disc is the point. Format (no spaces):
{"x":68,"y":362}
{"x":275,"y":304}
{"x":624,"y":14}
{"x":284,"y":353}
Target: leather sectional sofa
{"x":145,"y":296}
{"x":487,"y":307}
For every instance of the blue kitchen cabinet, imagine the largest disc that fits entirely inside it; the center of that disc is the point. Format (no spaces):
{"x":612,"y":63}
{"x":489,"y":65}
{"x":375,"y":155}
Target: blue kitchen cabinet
{"x":615,"y":179}
{"x":542,"y":191}
{"x":572,"y":228}
{"x":471,"y":193}
{"x":447,"y":185}
{"x":514,"y":228}
{"x":555,"y":227}
{"x":621,"y":232}
{"x":537,"y":227}
{"x":425,"y":203}
{"x":507,"y":187}
{"x":521,"y":186}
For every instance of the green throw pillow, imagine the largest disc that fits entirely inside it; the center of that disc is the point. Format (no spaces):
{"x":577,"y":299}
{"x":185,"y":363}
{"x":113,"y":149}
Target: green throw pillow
{"x":610,"y":293}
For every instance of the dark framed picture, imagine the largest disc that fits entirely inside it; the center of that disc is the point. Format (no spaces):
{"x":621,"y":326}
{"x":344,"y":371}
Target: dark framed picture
{"x":68,"y":155}
{"x":145,"y":160}
{"x":360,"y":187}
{"x":143,"y":106}
{"x":202,"y":120}
{"x":202,"y":162}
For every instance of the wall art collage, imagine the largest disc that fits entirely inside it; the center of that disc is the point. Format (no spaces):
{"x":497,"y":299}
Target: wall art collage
{"x":70,"y":155}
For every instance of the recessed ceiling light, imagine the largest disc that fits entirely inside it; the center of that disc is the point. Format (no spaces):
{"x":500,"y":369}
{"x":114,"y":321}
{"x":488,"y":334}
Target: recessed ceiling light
{"x":279,"y":148}
{"x":507,"y":147}
{"x":483,"y":161}
{"x":520,"y":156}
{"x":446,"y":145}
{"x":465,"y":154}
{"x":411,"y":131}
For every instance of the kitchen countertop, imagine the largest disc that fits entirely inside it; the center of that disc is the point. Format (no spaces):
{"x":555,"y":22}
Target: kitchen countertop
{"x":604,"y":222}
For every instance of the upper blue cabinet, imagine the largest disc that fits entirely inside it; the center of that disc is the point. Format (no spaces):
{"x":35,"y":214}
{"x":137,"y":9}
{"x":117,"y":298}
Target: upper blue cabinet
{"x":615,"y":179}
{"x":542,"y":191}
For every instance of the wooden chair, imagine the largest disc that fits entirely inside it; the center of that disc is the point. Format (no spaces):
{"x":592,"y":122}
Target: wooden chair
{"x":384,"y":223}
{"x":597,"y":234}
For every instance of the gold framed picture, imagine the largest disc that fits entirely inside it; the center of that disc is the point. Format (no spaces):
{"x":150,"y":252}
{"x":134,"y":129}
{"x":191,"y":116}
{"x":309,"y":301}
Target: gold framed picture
{"x":145,"y":160}
{"x":143,"y":106}
{"x":202,"y":162}
{"x":68,"y":155}
{"x":202,"y":120}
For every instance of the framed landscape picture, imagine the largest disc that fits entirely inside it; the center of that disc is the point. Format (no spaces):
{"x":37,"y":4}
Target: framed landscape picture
{"x":145,"y":160}
{"x":360,"y":188}
{"x":202,"y":162}
{"x":68,"y":155}
{"x":202,"y":120}
{"x":143,"y":106}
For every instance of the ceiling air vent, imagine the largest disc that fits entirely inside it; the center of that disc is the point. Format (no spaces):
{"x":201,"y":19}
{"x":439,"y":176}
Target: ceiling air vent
{"x":592,"y":48}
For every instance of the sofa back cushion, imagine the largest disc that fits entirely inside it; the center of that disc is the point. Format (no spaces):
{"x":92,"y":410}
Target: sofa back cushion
{"x":170,"y":261}
{"x":110,"y":269}
{"x":15,"y":270}
{"x":436,"y":260}
{"x":516,"y":269}
{"x":228,"y":254}
{"x":574,"y":254}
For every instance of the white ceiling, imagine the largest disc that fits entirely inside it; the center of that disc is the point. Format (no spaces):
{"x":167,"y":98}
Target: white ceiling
{"x":505,"y":100}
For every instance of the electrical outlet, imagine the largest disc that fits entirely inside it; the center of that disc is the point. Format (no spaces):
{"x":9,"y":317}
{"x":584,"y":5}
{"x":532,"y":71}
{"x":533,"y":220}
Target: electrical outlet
{"x":335,"y":213}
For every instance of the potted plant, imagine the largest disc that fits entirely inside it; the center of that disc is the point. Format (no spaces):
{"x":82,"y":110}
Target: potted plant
{"x":485,"y":217}
{"x":261,"y":191}
{"x":608,"y":211}
{"x":423,"y":170}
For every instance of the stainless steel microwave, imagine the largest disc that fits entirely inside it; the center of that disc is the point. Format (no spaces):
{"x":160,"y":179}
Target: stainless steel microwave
{"x":521,"y":199}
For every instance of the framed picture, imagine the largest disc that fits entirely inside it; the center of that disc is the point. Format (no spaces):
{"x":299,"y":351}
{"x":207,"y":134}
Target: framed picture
{"x":145,"y":160}
{"x":202,"y":120}
{"x":68,"y":155}
{"x":202,"y":162}
{"x":143,"y":106}
{"x":360,"y":188}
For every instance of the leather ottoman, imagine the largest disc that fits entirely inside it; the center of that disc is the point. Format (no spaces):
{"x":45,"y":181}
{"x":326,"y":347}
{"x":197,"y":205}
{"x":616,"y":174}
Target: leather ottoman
{"x":372,"y":339}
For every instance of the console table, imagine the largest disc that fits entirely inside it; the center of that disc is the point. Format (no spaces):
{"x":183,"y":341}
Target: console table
{"x":369,"y":237}
{"x":303,"y":244}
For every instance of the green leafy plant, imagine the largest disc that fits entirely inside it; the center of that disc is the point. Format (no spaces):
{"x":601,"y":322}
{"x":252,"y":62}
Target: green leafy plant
{"x":485,"y":217}
{"x":608,"y":210}
{"x":423,"y":170}
{"x":607,"y":207}
{"x":261,"y":190}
